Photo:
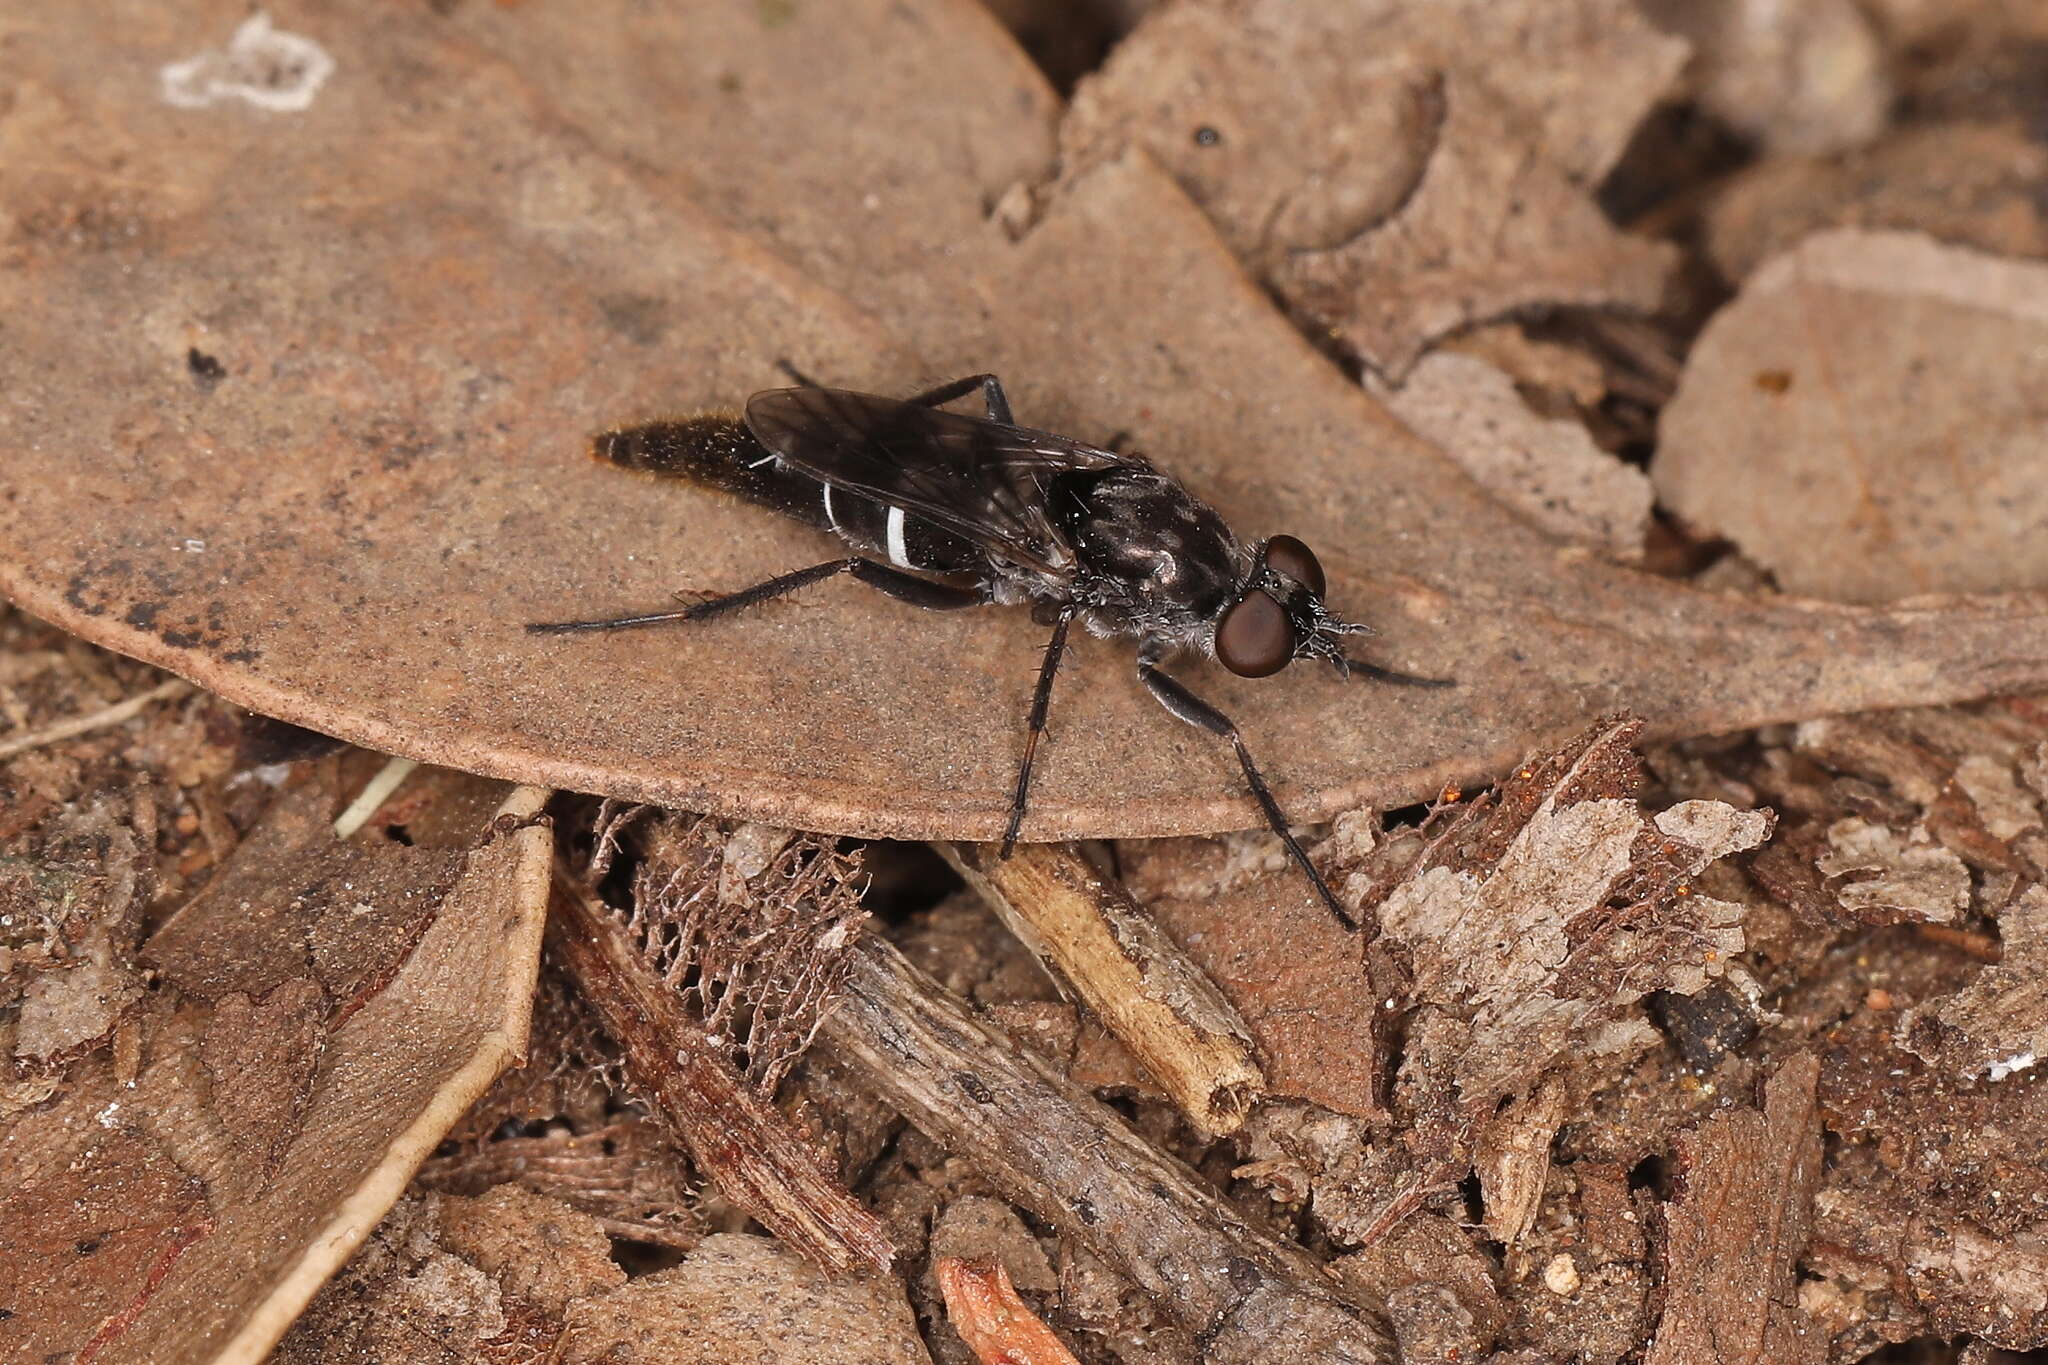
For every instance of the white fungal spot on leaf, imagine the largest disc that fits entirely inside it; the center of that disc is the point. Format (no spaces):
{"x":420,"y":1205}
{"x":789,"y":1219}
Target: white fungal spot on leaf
{"x":265,"y":66}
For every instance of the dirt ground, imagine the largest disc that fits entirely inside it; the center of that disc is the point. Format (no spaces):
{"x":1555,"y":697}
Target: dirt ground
{"x":380,"y":981}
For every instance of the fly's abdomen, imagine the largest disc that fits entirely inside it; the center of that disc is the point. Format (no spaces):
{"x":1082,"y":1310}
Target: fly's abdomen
{"x":887,"y":532}
{"x":716,"y":450}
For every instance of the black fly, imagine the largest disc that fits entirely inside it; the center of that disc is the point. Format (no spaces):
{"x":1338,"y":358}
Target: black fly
{"x":964,"y":511}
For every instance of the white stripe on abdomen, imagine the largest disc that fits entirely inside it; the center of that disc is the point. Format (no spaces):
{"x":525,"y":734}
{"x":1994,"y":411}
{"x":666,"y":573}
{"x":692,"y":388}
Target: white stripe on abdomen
{"x":899,"y":553}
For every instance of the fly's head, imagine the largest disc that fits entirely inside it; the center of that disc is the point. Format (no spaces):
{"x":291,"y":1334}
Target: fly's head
{"x":1278,"y":615}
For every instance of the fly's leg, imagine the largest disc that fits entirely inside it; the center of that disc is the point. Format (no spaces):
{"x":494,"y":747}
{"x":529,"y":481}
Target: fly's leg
{"x":919,"y":592}
{"x":1041,"y":702}
{"x":1188,"y":707}
{"x":802,"y":380}
{"x":992,"y":396}
{"x":1394,"y":676}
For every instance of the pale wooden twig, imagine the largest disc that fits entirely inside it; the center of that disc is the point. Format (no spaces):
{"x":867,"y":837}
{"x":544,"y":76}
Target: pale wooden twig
{"x":1102,"y":946}
{"x":375,"y":793}
{"x":97,"y":720}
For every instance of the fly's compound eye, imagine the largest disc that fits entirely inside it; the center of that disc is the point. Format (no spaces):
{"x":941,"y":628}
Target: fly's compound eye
{"x":1285,"y":554}
{"x":1255,"y":637}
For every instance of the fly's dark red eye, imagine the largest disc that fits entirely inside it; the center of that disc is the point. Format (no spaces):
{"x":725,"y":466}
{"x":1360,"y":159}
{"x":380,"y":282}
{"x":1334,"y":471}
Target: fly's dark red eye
{"x":1285,"y":554}
{"x":1255,"y":638}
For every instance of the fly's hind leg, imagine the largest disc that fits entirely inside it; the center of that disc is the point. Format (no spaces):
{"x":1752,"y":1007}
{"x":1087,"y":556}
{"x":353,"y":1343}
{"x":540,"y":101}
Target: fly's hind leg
{"x":1175,"y":697}
{"x":904,"y":587}
{"x":993,"y":398}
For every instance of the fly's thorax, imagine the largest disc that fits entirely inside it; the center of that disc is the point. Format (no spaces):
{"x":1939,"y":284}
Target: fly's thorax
{"x":1142,"y":541}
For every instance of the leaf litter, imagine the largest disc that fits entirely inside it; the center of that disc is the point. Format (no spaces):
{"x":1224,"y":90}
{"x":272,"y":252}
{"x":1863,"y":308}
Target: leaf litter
{"x":1568,"y":1095}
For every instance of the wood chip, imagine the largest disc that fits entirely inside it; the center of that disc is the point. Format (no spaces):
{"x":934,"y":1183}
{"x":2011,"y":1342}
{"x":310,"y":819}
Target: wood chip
{"x":1735,"y":1232}
{"x":997,"y":1326}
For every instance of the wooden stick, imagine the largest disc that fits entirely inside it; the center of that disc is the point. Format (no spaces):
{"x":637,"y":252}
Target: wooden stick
{"x":1070,"y":1159}
{"x":737,"y":1139}
{"x":1103,"y":948}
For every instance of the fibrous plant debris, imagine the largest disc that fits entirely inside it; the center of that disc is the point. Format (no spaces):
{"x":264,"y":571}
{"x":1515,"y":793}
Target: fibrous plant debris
{"x":753,"y":926}
{"x":691,"y":918}
{"x":348,"y":525}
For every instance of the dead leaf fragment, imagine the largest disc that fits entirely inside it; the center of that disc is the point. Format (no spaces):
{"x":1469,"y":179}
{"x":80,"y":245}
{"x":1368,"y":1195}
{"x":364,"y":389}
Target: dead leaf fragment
{"x":1903,"y":456}
{"x":1547,"y":469}
{"x":741,"y":1298}
{"x":1965,"y":183}
{"x":1515,"y":940}
{"x":1882,"y":876}
{"x":1492,"y":228}
{"x":1807,"y":78}
{"x":1396,"y":171}
{"x":1997,"y":1026}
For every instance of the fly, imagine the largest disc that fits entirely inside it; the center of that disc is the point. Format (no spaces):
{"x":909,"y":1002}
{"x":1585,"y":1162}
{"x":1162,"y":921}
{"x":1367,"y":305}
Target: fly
{"x":945,"y":511}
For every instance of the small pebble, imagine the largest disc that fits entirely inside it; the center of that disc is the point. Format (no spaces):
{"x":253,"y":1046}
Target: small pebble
{"x":1561,"y":1276}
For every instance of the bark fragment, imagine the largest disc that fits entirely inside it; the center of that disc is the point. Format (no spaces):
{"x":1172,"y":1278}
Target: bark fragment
{"x":1735,"y":1232}
{"x":1074,"y":1164}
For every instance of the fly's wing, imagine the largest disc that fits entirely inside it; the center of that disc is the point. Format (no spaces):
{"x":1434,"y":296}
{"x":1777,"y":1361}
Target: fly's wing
{"x":980,"y":480}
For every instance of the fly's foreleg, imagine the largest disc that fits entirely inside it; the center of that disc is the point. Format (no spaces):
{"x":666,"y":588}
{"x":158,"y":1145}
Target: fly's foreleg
{"x":1175,"y":697}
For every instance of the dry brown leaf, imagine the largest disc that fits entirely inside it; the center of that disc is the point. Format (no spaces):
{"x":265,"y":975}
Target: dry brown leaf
{"x":739,"y":1298}
{"x":294,"y":1094}
{"x":1807,"y":78}
{"x":1396,"y":171}
{"x":87,"y":1239}
{"x":1969,"y":184}
{"x":1547,"y":469}
{"x":348,"y":526}
{"x":1865,"y":420}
